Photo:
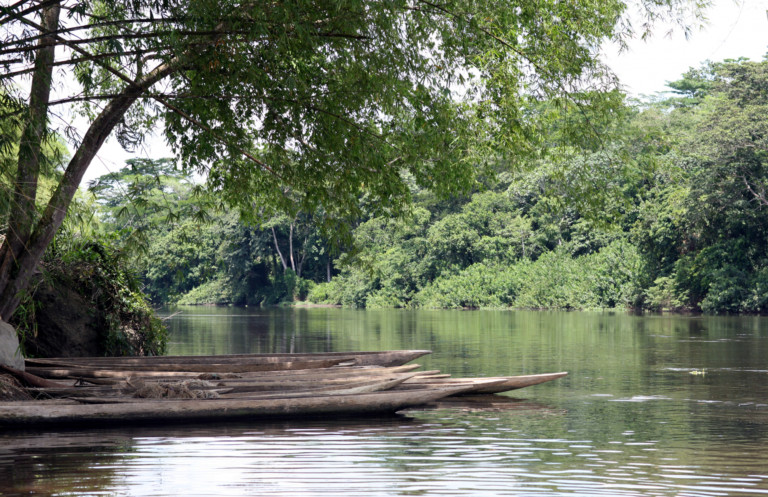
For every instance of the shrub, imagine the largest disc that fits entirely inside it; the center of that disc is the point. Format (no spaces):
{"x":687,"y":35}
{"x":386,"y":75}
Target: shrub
{"x":97,"y":271}
{"x":325,"y":293}
{"x":214,"y":292}
{"x":478,"y":286}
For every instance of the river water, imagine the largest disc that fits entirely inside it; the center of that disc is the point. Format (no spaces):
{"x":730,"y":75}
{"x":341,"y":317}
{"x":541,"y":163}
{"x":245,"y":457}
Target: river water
{"x":653,"y":406}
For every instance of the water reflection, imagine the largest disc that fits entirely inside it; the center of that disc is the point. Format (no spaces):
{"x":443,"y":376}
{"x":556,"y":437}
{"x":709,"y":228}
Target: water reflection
{"x":630,"y":420}
{"x":441,"y":451}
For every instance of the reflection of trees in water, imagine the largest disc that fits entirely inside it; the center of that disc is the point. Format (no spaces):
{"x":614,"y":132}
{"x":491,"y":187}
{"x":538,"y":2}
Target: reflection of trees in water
{"x":60,"y":463}
{"x":629,"y":390}
{"x":95,"y":461}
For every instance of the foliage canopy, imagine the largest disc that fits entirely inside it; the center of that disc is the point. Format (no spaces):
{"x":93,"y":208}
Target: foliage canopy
{"x":326,"y":99}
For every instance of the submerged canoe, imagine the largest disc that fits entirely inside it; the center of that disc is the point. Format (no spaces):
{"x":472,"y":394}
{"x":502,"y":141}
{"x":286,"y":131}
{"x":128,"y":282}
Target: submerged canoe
{"x":58,"y":412}
{"x":384,"y":358}
{"x":501,"y":384}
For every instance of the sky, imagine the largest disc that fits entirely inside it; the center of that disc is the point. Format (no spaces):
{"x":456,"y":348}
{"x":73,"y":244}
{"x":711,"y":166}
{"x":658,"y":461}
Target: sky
{"x":734,"y":29}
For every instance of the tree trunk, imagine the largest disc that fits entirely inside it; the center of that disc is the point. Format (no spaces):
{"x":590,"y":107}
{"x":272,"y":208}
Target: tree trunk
{"x":290,"y":248}
{"x":22,"y":218}
{"x":300,"y":265}
{"x":17,"y":269}
{"x":279,"y":252}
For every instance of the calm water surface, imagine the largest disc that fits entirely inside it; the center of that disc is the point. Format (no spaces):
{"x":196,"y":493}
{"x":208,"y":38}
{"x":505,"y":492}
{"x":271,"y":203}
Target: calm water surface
{"x":653,"y":406}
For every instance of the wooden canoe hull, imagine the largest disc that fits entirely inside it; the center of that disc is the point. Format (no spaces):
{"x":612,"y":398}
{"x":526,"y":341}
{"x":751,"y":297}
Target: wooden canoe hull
{"x":42,"y":413}
{"x":384,"y":358}
{"x":298,"y":376}
{"x":503,"y":383}
{"x":122,"y":371}
{"x":264,"y":384}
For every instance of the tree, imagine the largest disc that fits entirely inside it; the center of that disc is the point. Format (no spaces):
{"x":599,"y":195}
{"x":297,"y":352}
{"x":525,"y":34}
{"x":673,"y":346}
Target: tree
{"x":703,"y":230}
{"x":330,"y":98}
{"x":147,"y":196}
{"x":301,"y":237}
{"x":145,"y":192}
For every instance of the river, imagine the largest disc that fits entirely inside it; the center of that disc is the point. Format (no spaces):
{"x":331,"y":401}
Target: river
{"x":652,"y":406}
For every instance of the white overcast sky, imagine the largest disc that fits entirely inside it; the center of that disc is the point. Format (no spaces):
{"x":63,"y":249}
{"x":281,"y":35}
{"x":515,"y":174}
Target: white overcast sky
{"x":734,"y":29}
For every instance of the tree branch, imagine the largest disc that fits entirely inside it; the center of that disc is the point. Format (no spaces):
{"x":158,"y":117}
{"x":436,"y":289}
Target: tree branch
{"x":8,"y":11}
{"x":101,"y":24}
{"x":57,"y":206}
{"x":77,"y":60}
{"x":759,"y":196}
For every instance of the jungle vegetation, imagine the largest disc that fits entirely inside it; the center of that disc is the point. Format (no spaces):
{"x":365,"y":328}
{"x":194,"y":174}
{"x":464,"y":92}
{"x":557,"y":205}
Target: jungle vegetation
{"x":665,"y":212}
{"x":297,"y":106}
{"x":369,"y":154}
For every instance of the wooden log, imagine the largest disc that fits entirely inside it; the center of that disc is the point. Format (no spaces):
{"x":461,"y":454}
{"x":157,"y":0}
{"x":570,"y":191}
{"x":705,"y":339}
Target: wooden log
{"x":27,"y":378}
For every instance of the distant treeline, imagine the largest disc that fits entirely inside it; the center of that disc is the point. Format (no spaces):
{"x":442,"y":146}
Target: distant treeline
{"x":666,"y":210}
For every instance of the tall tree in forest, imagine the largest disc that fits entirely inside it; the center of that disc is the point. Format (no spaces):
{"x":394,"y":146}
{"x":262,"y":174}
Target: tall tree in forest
{"x":330,"y":98}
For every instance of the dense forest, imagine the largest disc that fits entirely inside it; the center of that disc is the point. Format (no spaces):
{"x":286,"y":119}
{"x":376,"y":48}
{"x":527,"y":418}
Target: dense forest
{"x":663,"y":210}
{"x":359,"y":153}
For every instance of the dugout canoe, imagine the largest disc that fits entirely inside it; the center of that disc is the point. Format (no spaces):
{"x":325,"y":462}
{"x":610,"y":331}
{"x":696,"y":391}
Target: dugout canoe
{"x":58,"y":412}
{"x":501,"y":384}
{"x":227,"y":388}
{"x":231,"y":393}
{"x":383,"y":358}
{"x":124,"y":371}
{"x":286,"y":384}
{"x":298,"y":375}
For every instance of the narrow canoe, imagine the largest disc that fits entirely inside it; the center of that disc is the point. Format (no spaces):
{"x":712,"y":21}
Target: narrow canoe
{"x":357,"y":387}
{"x":298,"y":375}
{"x":233,"y":387}
{"x":287,"y":386}
{"x":384,"y":358}
{"x":231,"y":393}
{"x":503,"y":383}
{"x":44,"y":413}
{"x":120,"y":371}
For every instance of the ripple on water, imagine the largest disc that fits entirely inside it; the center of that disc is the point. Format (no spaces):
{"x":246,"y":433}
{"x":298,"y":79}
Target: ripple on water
{"x":394,"y":460}
{"x":403,"y":461}
{"x":432,"y":453}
